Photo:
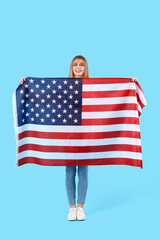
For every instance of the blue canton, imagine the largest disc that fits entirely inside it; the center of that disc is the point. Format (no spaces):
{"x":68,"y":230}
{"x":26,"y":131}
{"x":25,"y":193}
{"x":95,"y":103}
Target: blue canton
{"x":49,"y":101}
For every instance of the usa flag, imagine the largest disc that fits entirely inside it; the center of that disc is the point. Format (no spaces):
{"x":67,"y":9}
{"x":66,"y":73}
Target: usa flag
{"x":78,"y":121}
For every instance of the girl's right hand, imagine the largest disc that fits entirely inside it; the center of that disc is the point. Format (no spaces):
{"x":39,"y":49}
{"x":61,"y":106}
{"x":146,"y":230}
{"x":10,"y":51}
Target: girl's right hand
{"x":22,"y":79}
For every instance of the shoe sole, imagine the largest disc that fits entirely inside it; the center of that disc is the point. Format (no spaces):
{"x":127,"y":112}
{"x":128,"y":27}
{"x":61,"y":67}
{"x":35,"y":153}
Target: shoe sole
{"x":81,"y":219}
{"x":71,"y":219}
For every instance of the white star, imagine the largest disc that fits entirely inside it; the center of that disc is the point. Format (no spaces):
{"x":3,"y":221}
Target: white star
{"x":32,"y":109}
{"x":75,"y":120}
{"x":22,"y":110}
{"x":37,"y":86}
{"x":48,"y":115}
{"x":48,"y":106}
{"x":54,"y":91}
{"x":65,"y":101}
{"x":42,"y":110}
{"x":43,"y":91}
{"x":59,"y":96}
{"x":59,"y":86}
{"x":53,"y":110}
{"x":70,"y":86}
{"x":21,"y":91}
{"x":31,"y":80}
{"x":76,"y":111}
{"x":70,"y":96}
{"x":27,"y":114}
{"x":27,"y":104}
{"x":23,"y":120}
{"x":76,"y":82}
{"x":53,"y":120}
{"x":42,"y":100}
{"x":26,"y":85}
{"x":32,"y":90}
{"x":48,"y":86}
{"x":32,"y":100}
{"x":53,"y":81}
{"x":64,"y":110}
{"x":37,"y":114}
{"x":53,"y":100}
{"x":59,"y":115}
{"x":65,"y":91}
{"x":70,"y":115}
{"x":42,"y":81}
{"x":27,"y":95}
{"x":37,"y":105}
{"x":48,"y":96}
{"x":37,"y":95}
{"x":70,"y":106}
{"x":76,"y":101}
{"x":22,"y":101}
{"x":65,"y":81}
{"x":64,"y":120}
{"x":42,"y":119}
{"x":32,"y":119}
{"x":76,"y":92}
{"x":59,"y":106}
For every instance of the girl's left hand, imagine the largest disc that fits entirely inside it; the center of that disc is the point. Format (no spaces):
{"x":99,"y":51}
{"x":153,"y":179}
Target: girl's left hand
{"x":134,"y":79}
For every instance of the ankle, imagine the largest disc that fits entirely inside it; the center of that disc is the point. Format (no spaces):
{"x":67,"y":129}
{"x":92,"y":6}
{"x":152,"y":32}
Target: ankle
{"x":80,"y":205}
{"x":73,"y":206}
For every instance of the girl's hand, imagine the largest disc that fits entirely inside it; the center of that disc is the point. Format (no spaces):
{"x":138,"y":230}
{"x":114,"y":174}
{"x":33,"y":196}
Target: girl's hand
{"x":134,"y":79}
{"x":22,"y":79}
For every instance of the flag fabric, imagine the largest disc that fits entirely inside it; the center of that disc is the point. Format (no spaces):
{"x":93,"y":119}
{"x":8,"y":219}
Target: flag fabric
{"x":78,"y":121}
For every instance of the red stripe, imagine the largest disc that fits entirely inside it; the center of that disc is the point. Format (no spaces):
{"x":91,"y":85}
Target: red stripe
{"x":108,"y":94}
{"x":84,"y":162}
{"x":80,"y":149}
{"x":105,"y":80}
{"x":139,"y":86}
{"x":139,"y":113}
{"x":140,"y":102}
{"x":77,"y":135}
{"x":110,"y":121}
{"x":109,"y":107}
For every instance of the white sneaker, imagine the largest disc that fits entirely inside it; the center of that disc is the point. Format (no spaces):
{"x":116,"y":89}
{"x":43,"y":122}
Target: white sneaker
{"x":80,"y":214}
{"x":72,"y":214}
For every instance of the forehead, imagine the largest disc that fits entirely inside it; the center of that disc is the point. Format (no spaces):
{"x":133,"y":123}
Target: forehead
{"x":78,"y":61}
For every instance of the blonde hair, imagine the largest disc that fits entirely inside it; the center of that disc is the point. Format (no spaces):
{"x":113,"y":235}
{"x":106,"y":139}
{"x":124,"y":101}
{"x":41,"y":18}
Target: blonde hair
{"x":85,"y":74}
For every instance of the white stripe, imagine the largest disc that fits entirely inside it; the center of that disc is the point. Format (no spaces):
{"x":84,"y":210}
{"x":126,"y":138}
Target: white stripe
{"x":91,"y":155}
{"x":98,"y":128}
{"x":141,"y":95}
{"x":108,"y":87}
{"x":113,"y":100}
{"x":139,"y":107}
{"x":79,"y":142}
{"x":110,"y":114}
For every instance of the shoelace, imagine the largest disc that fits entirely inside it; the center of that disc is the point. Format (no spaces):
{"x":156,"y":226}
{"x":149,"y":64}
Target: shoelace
{"x":72,"y":210}
{"x":80,"y":211}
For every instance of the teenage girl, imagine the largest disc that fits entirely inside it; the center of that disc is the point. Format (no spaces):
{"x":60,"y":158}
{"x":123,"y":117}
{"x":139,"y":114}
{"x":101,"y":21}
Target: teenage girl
{"x":78,"y":69}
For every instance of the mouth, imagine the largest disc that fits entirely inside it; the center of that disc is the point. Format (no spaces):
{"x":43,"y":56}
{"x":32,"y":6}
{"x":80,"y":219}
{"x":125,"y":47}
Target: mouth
{"x":78,"y":71}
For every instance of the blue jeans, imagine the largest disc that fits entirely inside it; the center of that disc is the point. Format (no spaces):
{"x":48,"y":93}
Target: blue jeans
{"x":82,"y":183}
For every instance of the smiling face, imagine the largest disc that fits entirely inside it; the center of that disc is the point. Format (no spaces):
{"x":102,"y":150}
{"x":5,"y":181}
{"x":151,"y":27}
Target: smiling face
{"x":78,"y":68}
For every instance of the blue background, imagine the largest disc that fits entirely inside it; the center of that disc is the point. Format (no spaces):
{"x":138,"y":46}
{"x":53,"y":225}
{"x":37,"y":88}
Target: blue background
{"x":118,"y":39}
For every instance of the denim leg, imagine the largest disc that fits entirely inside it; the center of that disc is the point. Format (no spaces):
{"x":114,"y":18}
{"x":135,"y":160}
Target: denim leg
{"x":82,"y":183}
{"x":70,"y":183}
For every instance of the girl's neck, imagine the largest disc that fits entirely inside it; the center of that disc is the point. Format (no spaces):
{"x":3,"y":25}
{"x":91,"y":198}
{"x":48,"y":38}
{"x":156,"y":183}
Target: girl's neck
{"x":78,"y":76}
